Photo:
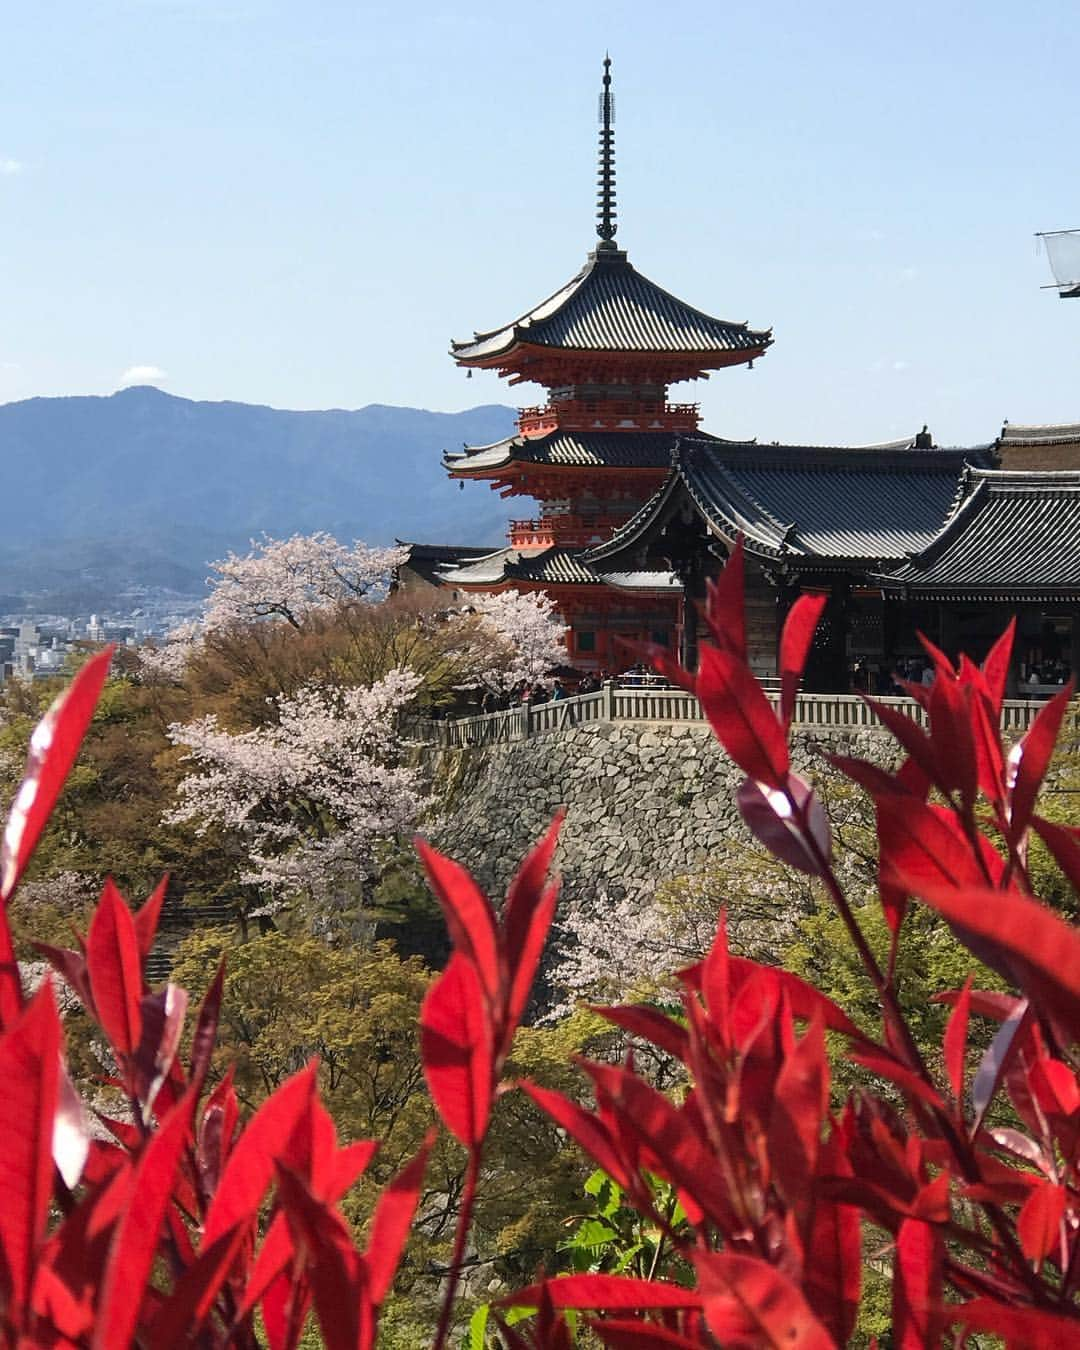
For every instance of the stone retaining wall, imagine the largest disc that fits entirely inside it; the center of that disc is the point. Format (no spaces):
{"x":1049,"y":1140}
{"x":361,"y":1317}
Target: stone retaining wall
{"x":644,"y":803}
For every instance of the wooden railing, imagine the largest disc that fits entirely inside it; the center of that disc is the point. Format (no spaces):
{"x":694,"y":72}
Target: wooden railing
{"x":607,"y":414}
{"x":822,"y":712}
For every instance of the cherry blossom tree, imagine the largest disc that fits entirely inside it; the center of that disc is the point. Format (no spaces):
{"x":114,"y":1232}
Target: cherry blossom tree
{"x":530,"y":636}
{"x":607,"y":950}
{"x":309,"y":795}
{"x":279,"y":580}
{"x":288,"y":579}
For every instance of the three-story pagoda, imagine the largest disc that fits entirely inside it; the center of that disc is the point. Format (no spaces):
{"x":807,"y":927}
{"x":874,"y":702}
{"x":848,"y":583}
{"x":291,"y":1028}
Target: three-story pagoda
{"x":607,"y":347}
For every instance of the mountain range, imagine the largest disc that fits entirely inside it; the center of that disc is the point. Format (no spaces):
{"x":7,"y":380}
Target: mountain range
{"x":103,"y":496}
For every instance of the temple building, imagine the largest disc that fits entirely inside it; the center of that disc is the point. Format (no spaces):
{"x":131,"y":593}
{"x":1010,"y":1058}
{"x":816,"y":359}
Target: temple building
{"x":635,"y":505}
{"x":607,"y":347}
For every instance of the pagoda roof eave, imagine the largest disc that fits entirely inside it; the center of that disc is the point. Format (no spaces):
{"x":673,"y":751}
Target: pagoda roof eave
{"x":524,"y":357}
{"x":610,"y":308}
{"x":573,"y":451}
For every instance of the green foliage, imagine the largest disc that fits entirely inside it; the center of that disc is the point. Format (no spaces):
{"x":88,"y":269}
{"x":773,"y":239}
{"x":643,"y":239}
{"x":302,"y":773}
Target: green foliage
{"x":614,"y":1239}
{"x":288,"y":998}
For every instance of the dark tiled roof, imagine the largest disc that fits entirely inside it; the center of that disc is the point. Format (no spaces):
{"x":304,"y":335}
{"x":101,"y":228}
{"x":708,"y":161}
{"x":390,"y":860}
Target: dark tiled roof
{"x":585,"y":449}
{"x":484,"y":571}
{"x":553,"y":566}
{"x":813,"y":503}
{"x":609,"y":306}
{"x":425,"y":560}
{"x":1015,"y":536}
{"x":1016,"y":433}
{"x":1039,"y":448}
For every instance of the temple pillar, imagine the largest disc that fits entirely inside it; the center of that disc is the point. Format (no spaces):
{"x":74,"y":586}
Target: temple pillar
{"x":890,"y":626}
{"x":693,"y":592}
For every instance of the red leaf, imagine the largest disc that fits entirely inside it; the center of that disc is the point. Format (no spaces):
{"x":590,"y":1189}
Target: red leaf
{"x":285,"y":1307}
{"x":277,"y":1249}
{"x":956,"y":1034}
{"x":148,"y":916}
{"x":871,"y":777}
{"x":71,"y":967}
{"x":942,"y":664}
{"x":1054,"y":1086}
{"x":469,"y":917}
{"x":29,"y":1065}
{"x":346,"y":1316}
{"x":882,"y":1063}
{"x":456,"y":1045}
{"x":953,"y":735}
{"x":391,"y":1222}
{"x":741,"y":716}
{"x":191,"y":1301}
{"x":800,"y":1101}
{"x":603,"y":1291}
{"x":797,"y":835}
{"x":986,"y":729}
{"x":832,"y":1276}
{"x":910,"y":735}
{"x":527,"y":916}
{"x":587,"y":1130}
{"x":1030,"y":758}
{"x":135,"y":1242}
{"x":53,"y":748}
{"x":725,"y":604}
{"x":216,"y":1130}
{"x":1039,"y":1224}
{"x":806,"y":1001}
{"x":250,"y":1166}
{"x":750,"y":1305}
{"x":923,"y":845}
{"x":206,"y":1025}
{"x":1064,"y":846}
{"x":1042,"y":950}
{"x":1020,"y":1328}
{"x":995,"y":668}
{"x":651,"y":1025}
{"x":984,"y":1002}
{"x":115,"y":968}
{"x":669,"y":1134}
{"x":798,"y":634}
{"x":162,"y":1016}
{"x":917,"y":1276}
{"x":11,"y":993}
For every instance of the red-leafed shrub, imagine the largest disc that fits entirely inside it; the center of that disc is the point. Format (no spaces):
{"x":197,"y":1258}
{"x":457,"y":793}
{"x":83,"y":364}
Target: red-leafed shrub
{"x":189,"y":1227}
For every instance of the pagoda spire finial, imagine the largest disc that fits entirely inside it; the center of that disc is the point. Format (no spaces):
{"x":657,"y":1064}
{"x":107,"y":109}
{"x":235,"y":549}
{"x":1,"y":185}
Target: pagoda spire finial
{"x":605,"y":201}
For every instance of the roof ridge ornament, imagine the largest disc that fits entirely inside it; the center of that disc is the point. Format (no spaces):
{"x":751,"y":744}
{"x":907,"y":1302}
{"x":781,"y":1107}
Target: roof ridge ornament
{"x":605,"y":203}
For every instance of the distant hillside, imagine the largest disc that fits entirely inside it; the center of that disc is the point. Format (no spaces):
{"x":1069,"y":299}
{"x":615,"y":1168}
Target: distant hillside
{"x":98,"y":494}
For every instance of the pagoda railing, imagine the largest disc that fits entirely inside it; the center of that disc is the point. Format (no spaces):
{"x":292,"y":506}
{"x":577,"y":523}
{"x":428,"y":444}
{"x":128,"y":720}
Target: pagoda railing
{"x":825,"y":713}
{"x":608,"y":415}
{"x":565,"y":529}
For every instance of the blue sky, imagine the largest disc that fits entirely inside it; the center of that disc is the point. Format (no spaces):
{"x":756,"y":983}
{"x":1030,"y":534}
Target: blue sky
{"x":301,"y":203}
